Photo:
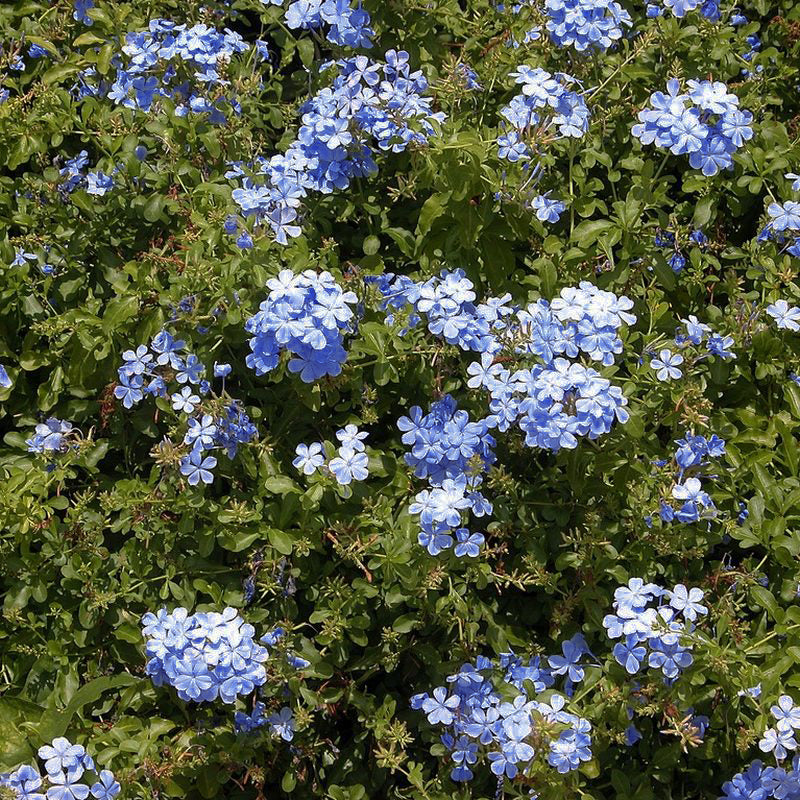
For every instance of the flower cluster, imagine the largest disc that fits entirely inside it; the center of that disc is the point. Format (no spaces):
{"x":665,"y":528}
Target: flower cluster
{"x":447,"y":303}
{"x":81,"y":7}
{"x":452,"y":453}
{"x":669,"y":241}
{"x":780,"y":739}
{"x":559,"y":400}
{"x":67,"y":768}
{"x":213,"y":421}
{"x":350,"y":463}
{"x":52,"y":436}
{"x":546,"y":109}
{"x":306,"y":315}
{"x":654,"y":634}
{"x":688,"y":502}
{"x":761,"y":782}
{"x":203,"y":655}
{"x":509,"y":733}
{"x":698,"y":341}
{"x":281,"y":723}
{"x":184,"y":65}
{"x":680,"y":8}
{"x":369,"y":105}
{"x":704,"y":123}
{"x":348,"y":27}
{"x":22,"y":257}
{"x":96,"y":183}
{"x":5,"y":380}
{"x":586,"y":24}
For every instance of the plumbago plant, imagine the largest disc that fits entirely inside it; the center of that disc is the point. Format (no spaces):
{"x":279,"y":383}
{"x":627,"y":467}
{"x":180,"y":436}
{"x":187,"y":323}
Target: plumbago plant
{"x":399,"y":399}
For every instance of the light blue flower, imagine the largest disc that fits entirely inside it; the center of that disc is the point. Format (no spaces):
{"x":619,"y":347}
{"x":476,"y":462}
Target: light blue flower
{"x":667,"y":365}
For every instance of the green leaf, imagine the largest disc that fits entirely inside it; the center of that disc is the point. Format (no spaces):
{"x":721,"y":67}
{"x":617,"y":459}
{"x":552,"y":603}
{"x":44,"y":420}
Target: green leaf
{"x":703,"y":211}
{"x":281,"y":541}
{"x":153,"y":207}
{"x":118,"y":311}
{"x":431,"y":210}
{"x":55,"y":722}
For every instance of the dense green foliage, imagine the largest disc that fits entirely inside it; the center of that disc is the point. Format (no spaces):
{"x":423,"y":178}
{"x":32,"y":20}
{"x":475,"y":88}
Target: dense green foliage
{"x":93,"y":538}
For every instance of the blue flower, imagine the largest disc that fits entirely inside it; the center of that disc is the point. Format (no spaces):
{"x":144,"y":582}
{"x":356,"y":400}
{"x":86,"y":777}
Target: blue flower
{"x":129,"y":390}
{"x":786,"y":713}
{"x":185,"y":400}
{"x":687,"y":601}
{"x":81,"y":7}
{"x":630,"y":654}
{"x":309,"y":457}
{"x":64,"y":787}
{"x":468,"y":544}
{"x":282,"y":724}
{"x":667,"y":365}
{"x":107,"y":788}
{"x":784,"y":217}
{"x":547,"y":209}
{"x":785,"y":316}
{"x":350,"y":436}
{"x":201,"y":432}
{"x":198,"y":468}
{"x":440,"y":707}
{"x":98,"y":183}
{"x":21,"y":257}
{"x":5,"y":381}
{"x":349,"y":465}
{"x":61,"y":755}
{"x":777,"y":741}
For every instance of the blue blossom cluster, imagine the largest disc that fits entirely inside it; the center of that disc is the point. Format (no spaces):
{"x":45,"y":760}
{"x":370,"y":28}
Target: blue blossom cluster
{"x":586,"y":24}
{"x":559,"y":400}
{"x":779,"y":739}
{"x":698,"y":335}
{"x":184,"y":65}
{"x":96,"y":183}
{"x":508,"y":733}
{"x":699,"y":340}
{"x":758,"y":782}
{"x":81,"y":7}
{"x":546,"y":109}
{"x":446,"y":302}
{"x":654,"y":634}
{"x":67,"y":770}
{"x":350,"y":464}
{"x":555,"y":401}
{"x":452,"y":452}
{"x":52,"y":436}
{"x":369,"y":105}
{"x":688,"y":502}
{"x":680,"y":8}
{"x":5,"y":380}
{"x":213,"y":421}
{"x":281,"y":723}
{"x":468,"y":77}
{"x":306,"y":315}
{"x":348,"y":27}
{"x":704,"y":123}
{"x":22,"y":257}
{"x":668,"y":241}
{"x":205,"y":656}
